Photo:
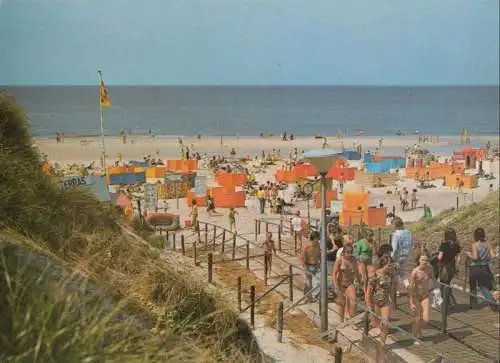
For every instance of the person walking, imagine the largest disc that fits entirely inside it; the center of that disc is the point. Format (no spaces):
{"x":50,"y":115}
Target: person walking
{"x":422,"y":282}
{"x":194,"y":215}
{"x":345,"y":273}
{"x":379,"y":293}
{"x":297,"y":229}
{"x":448,"y":251}
{"x":479,"y":273}
{"x":401,"y":241}
{"x":269,"y":249}
{"x":232,"y":219}
{"x":310,"y":259}
{"x":364,"y":256}
{"x":261,"y":197}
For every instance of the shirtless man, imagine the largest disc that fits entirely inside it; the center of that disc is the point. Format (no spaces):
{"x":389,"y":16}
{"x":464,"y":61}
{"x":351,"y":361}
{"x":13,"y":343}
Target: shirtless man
{"x":310,"y":259}
{"x":269,"y":248}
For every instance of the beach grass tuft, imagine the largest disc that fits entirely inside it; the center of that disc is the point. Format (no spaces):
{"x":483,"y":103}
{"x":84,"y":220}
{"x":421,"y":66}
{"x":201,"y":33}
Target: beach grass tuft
{"x":79,"y":284}
{"x":485,"y":214}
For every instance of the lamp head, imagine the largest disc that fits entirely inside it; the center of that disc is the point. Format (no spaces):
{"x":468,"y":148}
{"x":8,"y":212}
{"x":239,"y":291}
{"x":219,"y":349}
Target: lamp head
{"x":321,"y":159}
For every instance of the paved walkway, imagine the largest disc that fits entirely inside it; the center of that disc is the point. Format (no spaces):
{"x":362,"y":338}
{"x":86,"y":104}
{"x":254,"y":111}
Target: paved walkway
{"x":472,"y":334}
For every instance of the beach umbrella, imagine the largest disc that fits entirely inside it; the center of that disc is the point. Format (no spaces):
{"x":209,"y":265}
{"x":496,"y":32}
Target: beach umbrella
{"x":304,"y":170}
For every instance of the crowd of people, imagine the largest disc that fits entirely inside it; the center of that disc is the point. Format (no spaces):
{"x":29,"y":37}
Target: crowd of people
{"x":362,"y":272}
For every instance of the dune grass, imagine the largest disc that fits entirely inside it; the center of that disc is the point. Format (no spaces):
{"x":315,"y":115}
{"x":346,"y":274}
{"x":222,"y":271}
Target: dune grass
{"x":139,"y":309}
{"x":485,"y":214}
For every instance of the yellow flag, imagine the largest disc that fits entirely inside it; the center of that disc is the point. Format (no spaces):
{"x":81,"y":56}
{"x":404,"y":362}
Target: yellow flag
{"x":103,"y":91}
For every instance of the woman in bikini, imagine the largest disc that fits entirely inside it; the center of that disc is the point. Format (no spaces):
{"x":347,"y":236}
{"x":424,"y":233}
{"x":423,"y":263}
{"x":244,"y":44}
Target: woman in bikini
{"x":422,"y":282}
{"x":345,"y":272}
{"x":379,"y":293}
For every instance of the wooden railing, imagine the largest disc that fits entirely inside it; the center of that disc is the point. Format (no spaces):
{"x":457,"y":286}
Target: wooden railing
{"x":217,"y":241}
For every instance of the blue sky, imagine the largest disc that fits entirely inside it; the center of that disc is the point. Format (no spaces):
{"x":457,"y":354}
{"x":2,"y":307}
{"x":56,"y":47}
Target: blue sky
{"x":249,"y":42}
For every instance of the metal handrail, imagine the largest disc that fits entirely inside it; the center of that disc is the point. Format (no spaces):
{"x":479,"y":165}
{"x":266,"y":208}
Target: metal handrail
{"x":397,"y":328}
{"x":267,"y":292}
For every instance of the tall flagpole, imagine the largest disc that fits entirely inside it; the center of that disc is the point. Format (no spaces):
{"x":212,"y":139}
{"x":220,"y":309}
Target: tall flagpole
{"x":103,"y":145}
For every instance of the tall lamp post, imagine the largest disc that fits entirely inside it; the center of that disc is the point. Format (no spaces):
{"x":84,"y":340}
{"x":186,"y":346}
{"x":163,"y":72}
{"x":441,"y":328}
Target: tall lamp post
{"x":322,"y":160}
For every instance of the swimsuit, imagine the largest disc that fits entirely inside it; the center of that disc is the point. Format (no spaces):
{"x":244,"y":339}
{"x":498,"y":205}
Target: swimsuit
{"x":346,"y":281}
{"x":381,"y":285}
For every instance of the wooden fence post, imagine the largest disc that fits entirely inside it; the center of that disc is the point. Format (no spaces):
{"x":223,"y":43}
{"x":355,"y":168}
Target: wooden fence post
{"x":279,"y":322}
{"x":366,"y":323}
{"x":248,"y":255}
{"x":338,"y":355}
{"x":281,"y":225}
{"x":238,"y":289}
{"x":256,"y":230}
{"x":379,"y":237}
{"x":234,"y":247}
{"x":183,"y":246}
{"x":258,"y":225}
{"x":194,"y":253}
{"x":252,"y":306}
{"x":167,"y":234}
{"x":209,"y":263}
{"x":267,"y":227}
{"x":198,"y":231}
{"x":295,"y":243}
{"x":223,"y":247}
{"x":466,"y":277}
{"x":290,"y":282}
{"x":173,"y":241}
{"x":457,"y":202}
{"x":206,"y":236}
{"x":266,"y":259}
{"x":279,"y":238}
{"x":215,"y":237}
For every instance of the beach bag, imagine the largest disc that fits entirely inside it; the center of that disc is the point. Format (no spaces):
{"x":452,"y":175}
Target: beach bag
{"x":436,"y":299}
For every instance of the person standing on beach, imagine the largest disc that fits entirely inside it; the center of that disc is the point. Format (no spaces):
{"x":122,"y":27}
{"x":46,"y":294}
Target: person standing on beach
{"x":269,"y":249}
{"x":414,"y":199}
{"x":261,"y":197}
{"x":194,"y":215}
{"x":310,"y":259}
{"x":297,"y":229}
{"x":341,"y":183}
{"x":401,"y":241}
{"x":232,"y":219}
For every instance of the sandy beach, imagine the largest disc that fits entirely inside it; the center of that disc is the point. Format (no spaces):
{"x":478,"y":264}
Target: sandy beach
{"x":73,"y":150}
{"x":438,"y":199}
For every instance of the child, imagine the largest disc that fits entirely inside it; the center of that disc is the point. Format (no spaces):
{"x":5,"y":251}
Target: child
{"x":232,"y":219}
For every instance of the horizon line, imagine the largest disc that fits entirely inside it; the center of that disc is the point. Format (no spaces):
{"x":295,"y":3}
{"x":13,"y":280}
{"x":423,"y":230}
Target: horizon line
{"x":257,"y":85}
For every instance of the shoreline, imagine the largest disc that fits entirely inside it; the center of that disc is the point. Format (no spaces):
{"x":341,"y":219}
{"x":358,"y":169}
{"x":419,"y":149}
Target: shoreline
{"x":257,"y":136}
{"x":85,"y":150}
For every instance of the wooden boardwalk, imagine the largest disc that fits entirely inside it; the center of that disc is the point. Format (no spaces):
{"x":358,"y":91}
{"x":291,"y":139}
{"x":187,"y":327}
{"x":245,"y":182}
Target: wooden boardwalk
{"x":471,"y":335}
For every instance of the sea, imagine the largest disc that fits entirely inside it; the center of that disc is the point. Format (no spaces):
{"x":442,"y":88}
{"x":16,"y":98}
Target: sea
{"x":249,"y":111}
